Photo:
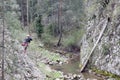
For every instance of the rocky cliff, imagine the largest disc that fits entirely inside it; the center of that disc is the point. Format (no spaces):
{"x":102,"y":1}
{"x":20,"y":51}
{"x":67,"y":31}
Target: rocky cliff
{"x":106,"y":55}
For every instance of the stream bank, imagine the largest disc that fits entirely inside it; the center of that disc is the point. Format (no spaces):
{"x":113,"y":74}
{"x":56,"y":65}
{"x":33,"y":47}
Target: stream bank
{"x":71,"y":70}
{"x":68,"y":68}
{"x":60,"y":65}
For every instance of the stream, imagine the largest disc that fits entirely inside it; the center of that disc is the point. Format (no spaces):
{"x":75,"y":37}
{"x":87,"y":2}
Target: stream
{"x":72,"y":67}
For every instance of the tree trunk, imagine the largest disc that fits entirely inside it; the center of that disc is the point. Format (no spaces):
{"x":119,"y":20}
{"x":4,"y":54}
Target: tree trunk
{"x":31,"y":12}
{"x":27,"y":12}
{"x":24,"y":12}
{"x":38,"y":3}
{"x":3,"y":51}
{"x":59,"y":22}
{"x":28,"y":27}
{"x":22,"y":15}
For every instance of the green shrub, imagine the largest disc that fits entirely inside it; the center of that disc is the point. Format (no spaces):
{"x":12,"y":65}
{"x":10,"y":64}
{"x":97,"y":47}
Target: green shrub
{"x":47,"y":39}
{"x":19,"y":35}
{"x":119,"y":42}
{"x":39,"y":27}
{"x":73,"y":39}
{"x":12,"y":21}
{"x":106,"y":49}
{"x":69,"y":41}
{"x":51,"y":29}
{"x":14,"y":26}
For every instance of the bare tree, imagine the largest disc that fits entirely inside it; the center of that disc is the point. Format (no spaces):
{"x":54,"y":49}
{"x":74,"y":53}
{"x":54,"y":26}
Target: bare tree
{"x":27,"y":12}
{"x":59,"y":22}
{"x":3,"y":55}
{"x":22,"y":15}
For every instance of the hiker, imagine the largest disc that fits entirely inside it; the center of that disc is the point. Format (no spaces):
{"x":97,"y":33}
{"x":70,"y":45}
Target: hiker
{"x":27,"y":40}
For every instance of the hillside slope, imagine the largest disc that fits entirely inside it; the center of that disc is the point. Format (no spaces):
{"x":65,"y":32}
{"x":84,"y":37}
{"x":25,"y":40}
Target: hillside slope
{"x":18,"y":66}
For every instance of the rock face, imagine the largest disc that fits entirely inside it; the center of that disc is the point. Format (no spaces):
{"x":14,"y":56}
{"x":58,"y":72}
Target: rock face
{"x":18,"y":66}
{"x":106,"y":55}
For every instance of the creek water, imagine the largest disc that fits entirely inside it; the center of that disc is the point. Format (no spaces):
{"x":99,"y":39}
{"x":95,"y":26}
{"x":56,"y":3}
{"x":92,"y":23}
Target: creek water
{"x":72,"y":67}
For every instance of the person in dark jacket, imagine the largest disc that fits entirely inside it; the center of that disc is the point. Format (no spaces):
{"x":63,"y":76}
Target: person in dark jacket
{"x":27,"y":40}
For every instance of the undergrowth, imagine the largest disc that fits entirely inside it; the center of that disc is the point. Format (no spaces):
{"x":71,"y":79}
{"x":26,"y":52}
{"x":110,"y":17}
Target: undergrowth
{"x":106,"y":73}
{"x":50,"y":74}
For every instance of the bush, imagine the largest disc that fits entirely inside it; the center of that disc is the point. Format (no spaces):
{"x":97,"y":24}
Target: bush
{"x":12,"y":21}
{"x":39,"y":26}
{"x":106,"y":50}
{"x":51,"y":29}
{"x":47,"y":39}
{"x":14,"y":26}
{"x":74,"y":38}
{"x":69,"y":41}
